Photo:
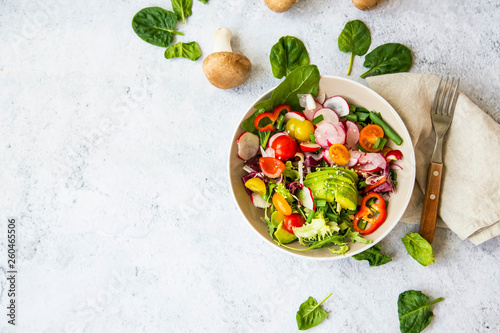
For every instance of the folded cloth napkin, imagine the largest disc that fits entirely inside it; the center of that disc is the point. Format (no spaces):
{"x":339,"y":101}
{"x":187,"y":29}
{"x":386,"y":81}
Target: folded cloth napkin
{"x":470,"y":191}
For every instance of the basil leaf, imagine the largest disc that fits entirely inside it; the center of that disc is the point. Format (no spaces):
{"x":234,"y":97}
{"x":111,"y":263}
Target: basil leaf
{"x":388,"y":58}
{"x":414,"y":311}
{"x":302,"y":80}
{"x":356,"y":39}
{"x":419,"y":248}
{"x":286,"y":55}
{"x":373,"y":256}
{"x":310,"y":314}
{"x":185,"y":50}
{"x":182,"y":8}
{"x":155,"y":25}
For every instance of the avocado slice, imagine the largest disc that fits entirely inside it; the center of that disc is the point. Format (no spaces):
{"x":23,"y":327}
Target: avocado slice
{"x":283,"y":236}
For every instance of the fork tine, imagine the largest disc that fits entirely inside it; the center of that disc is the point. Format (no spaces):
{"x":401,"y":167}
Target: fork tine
{"x":451,"y":110}
{"x":435,"y":102}
{"x":442,"y":97}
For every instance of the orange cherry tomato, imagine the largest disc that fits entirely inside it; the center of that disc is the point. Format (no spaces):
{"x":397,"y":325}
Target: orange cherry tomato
{"x":369,"y":135}
{"x":281,"y":204}
{"x":339,"y":154}
{"x":271,"y":167}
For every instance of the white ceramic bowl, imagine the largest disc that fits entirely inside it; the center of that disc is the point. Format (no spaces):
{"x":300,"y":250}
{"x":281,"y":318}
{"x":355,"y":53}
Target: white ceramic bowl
{"x":359,"y":95}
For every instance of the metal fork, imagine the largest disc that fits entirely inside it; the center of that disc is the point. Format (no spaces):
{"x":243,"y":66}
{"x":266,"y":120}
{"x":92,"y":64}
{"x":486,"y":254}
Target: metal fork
{"x":442,"y":111}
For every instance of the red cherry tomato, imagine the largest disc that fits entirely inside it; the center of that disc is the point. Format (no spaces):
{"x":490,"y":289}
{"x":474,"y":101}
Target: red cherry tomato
{"x":294,"y":220}
{"x":284,"y":147}
{"x":271,"y":167}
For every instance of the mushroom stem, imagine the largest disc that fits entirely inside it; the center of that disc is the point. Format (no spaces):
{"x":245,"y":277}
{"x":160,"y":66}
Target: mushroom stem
{"x":222,"y":41}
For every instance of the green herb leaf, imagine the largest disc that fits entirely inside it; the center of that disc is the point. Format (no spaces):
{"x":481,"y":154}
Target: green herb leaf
{"x":419,"y":248}
{"x":204,"y":1}
{"x":388,"y":58}
{"x":356,"y":39}
{"x":182,"y":8}
{"x":303,"y":80}
{"x":286,"y":55}
{"x":310,"y":314}
{"x":183,"y":50}
{"x":414,"y":311}
{"x":155,"y":25}
{"x":373,"y":256}
{"x":249,"y":123}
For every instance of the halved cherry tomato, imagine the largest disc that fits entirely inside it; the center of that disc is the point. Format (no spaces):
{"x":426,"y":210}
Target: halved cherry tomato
{"x":339,"y":154}
{"x":368,"y":137}
{"x":271,"y":167}
{"x":281,"y":204}
{"x":284,"y":147}
{"x":294,"y":220}
{"x":256,"y":185}
{"x":299,"y":129}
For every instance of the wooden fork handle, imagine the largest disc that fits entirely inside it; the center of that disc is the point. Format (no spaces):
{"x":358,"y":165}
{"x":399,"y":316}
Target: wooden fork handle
{"x":431,"y":201}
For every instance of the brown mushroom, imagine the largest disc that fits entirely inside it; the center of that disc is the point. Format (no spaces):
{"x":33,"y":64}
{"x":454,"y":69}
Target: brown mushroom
{"x":280,"y":6}
{"x":224,"y":68}
{"x":366,"y":4}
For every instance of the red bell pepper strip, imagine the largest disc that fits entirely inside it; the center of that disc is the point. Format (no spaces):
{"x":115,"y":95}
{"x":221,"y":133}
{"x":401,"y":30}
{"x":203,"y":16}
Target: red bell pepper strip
{"x":373,"y":214}
{"x":377,"y":183}
{"x":272,"y":117}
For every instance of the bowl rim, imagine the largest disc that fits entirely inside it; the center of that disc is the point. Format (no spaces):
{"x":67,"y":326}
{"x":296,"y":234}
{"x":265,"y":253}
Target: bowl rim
{"x":409,"y":193}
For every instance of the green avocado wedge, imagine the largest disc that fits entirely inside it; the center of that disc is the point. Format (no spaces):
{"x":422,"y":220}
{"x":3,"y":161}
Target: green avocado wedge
{"x":283,"y":236}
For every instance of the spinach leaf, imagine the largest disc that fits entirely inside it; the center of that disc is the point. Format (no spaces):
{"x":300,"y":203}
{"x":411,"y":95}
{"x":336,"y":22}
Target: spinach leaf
{"x":182,"y":8}
{"x":414,"y":311}
{"x":388,"y":58}
{"x":373,"y":256}
{"x":204,"y":1}
{"x":419,"y":248}
{"x":185,"y":50}
{"x":249,"y":123}
{"x":155,"y":25}
{"x":286,"y":55}
{"x":303,"y":80}
{"x":310,"y":314}
{"x":356,"y":39}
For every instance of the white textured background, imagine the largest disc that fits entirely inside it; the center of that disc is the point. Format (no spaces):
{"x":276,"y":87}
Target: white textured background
{"x":113,"y":160}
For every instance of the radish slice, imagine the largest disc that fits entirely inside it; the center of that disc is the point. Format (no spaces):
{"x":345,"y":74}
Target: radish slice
{"x":309,"y":147}
{"x":306,"y":198}
{"x":258,"y":201}
{"x":394,"y":155}
{"x":338,"y":136}
{"x":294,"y":115}
{"x":269,"y":152}
{"x":274,"y":137}
{"x":355,"y":155}
{"x":326,"y":157}
{"x":329,"y":116}
{"x":322,"y":133}
{"x":248,"y":145}
{"x":321,"y":96}
{"x":352,"y":134}
{"x":371,"y":162}
{"x":337,"y":104}
{"x":309,"y":113}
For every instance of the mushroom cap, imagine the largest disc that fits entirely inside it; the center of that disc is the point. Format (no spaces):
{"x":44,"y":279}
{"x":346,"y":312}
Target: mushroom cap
{"x":226,"y":70}
{"x":280,"y":6}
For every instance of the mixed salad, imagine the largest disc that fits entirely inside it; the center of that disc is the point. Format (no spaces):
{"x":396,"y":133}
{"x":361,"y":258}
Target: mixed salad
{"x":322,"y":175}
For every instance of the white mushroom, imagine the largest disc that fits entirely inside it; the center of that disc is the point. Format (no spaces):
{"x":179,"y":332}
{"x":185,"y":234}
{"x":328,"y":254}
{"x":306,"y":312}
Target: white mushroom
{"x":224,"y":68}
{"x":280,"y":6}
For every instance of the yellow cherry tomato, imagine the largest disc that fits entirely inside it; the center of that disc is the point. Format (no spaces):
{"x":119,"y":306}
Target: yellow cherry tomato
{"x":256,"y":185}
{"x":339,"y":154}
{"x":281,"y":204}
{"x":299,"y":129}
{"x":303,"y":129}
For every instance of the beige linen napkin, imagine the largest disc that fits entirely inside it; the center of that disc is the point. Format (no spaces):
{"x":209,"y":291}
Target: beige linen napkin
{"x":470,"y":191}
